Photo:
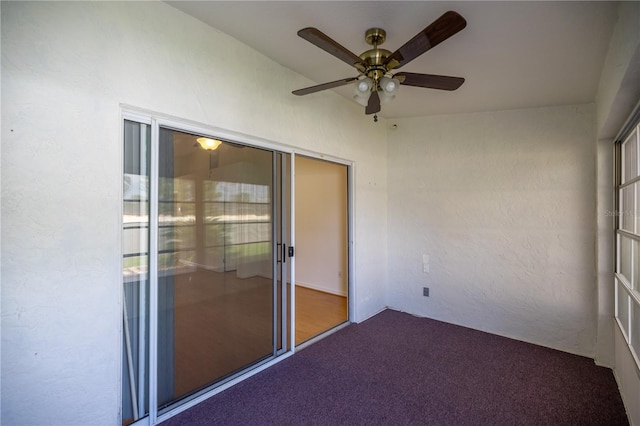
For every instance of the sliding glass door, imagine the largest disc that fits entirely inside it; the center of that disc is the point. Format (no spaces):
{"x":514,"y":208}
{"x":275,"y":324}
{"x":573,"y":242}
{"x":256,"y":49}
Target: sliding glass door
{"x":210,"y":232}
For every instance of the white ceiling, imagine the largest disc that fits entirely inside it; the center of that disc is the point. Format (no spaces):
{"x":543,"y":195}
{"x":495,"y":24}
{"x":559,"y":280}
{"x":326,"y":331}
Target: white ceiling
{"x":512,"y":54}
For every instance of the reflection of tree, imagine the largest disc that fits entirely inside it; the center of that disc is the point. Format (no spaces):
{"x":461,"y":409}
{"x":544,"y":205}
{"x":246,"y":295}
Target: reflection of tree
{"x":176,"y":211}
{"x":127,"y":184}
{"x":235,"y":214}
{"x":135,"y":187}
{"x":242,"y":196}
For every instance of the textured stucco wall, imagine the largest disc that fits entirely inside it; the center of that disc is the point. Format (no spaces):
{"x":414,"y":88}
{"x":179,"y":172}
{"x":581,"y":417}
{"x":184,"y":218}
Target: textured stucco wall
{"x":628,"y":377}
{"x":503,"y":204}
{"x":66,"y":68}
{"x":604,"y":347}
{"x":619,"y":87}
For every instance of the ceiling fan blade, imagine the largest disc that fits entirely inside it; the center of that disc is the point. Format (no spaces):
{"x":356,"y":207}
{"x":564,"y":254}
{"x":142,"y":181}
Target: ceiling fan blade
{"x":429,"y":81}
{"x":374,"y":103}
{"x":441,"y":29}
{"x":326,"y":43}
{"x":323,"y":86}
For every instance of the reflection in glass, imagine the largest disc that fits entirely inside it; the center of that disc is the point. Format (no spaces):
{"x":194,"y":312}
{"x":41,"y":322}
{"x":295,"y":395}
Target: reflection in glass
{"x":625,"y":257}
{"x":628,"y":210}
{"x":623,"y":308}
{"x":135,"y":268}
{"x":215,"y":266}
{"x":636,"y":262}
{"x":630,"y":157}
{"x":635,"y":332}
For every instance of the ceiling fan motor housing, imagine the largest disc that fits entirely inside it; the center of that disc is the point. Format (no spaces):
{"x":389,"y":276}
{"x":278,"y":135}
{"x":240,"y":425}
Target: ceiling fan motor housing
{"x":375,"y":58}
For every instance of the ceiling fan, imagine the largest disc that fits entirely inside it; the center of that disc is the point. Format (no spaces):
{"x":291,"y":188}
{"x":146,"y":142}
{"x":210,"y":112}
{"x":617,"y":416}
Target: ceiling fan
{"x":376,"y":83}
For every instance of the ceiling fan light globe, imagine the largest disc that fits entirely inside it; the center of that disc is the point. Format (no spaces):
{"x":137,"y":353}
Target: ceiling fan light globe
{"x":363,"y":86}
{"x":389,"y":85}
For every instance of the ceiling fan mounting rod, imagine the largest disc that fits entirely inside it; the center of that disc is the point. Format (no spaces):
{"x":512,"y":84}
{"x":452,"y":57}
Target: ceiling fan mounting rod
{"x":375,"y":36}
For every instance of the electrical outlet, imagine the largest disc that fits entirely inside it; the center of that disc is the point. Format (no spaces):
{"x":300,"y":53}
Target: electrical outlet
{"x":425,"y":291}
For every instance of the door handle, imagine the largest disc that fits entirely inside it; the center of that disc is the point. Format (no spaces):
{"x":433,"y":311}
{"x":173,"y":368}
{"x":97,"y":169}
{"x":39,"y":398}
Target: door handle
{"x":281,"y":257}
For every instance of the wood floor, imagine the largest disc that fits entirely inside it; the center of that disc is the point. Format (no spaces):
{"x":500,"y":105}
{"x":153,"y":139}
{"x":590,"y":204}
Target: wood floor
{"x":223,"y":323}
{"x":317,"y":312}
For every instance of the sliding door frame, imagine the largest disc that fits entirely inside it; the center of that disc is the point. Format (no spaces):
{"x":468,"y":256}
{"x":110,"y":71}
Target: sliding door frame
{"x":157,"y":121}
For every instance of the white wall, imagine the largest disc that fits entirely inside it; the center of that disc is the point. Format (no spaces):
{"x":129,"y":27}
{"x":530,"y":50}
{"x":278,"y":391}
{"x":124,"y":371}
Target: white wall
{"x":66,"y":68}
{"x":628,"y":377}
{"x":321,"y":225}
{"x":503,"y":205}
{"x":618,"y":93}
{"x":604,"y":347}
{"x":619,"y":87}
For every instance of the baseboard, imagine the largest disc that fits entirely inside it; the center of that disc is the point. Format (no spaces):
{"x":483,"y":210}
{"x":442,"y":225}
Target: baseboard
{"x":374,"y":314}
{"x":320,"y":288}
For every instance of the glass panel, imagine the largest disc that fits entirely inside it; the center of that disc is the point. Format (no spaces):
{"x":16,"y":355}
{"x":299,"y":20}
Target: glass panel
{"x":627,"y":215}
{"x":215,"y":286}
{"x":135,"y":263}
{"x":623,"y":308}
{"x":630,"y":158}
{"x":625,"y":257}
{"x":635,"y":332}
{"x":636,"y":263}
{"x":214,"y":235}
{"x":213,"y":212}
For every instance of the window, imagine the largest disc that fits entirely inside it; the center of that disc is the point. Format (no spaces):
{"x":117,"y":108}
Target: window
{"x":627,"y":275}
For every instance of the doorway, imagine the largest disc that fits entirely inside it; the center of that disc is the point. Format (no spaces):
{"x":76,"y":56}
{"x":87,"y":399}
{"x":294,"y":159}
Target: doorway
{"x":322,"y":255}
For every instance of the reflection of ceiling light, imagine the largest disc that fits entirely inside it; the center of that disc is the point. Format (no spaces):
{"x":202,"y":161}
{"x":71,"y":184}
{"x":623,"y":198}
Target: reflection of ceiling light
{"x":209,"y":144}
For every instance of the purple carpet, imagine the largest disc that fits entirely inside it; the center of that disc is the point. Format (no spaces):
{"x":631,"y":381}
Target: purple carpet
{"x":396,"y":369}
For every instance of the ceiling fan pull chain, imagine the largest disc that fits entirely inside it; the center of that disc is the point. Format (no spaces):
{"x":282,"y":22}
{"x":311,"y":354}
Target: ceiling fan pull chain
{"x":375,"y":118}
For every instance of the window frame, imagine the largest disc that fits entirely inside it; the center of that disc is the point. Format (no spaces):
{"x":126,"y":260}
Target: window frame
{"x":627,"y":228}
